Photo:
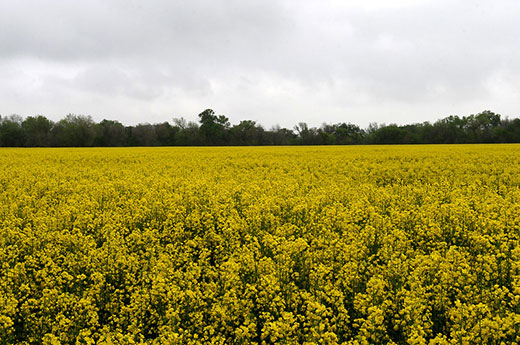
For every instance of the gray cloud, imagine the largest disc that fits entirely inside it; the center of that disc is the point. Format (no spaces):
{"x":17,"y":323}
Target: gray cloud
{"x":274,"y":61}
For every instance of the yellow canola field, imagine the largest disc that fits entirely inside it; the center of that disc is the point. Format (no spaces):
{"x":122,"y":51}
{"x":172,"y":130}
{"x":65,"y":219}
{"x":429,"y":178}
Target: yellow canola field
{"x":286,"y":245}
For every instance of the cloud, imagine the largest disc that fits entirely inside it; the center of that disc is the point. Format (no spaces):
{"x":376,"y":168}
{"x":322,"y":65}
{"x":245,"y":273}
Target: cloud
{"x":274,"y":61}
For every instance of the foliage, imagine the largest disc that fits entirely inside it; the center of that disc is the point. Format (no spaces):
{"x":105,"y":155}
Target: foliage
{"x":329,"y":245}
{"x":216,"y":130}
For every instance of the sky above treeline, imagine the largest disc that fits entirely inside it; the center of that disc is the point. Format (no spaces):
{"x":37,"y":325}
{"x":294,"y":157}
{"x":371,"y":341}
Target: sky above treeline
{"x":272,"y":61}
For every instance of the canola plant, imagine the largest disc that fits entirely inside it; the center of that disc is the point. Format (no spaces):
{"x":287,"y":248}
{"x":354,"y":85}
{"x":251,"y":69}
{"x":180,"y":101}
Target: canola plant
{"x":272,"y":245}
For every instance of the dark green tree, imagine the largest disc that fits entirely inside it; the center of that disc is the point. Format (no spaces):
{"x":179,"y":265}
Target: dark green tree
{"x":281,"y":136}
{"x":391,"y":134}
{"x":37,"y":131}
{"x":110,"y":133}
{"x":348,"y":134}
{"x":144,"y":135}
{"x":73,"y":131}
{"x":213,"y":128}
{"x":450,"y":130}
{"x":165,"y":133}
{"x":247,"y":132}
{"x":306,"y":135}
{"x":11,"y":132}
{"x":187,"y":132}
{"x":78,"y":130}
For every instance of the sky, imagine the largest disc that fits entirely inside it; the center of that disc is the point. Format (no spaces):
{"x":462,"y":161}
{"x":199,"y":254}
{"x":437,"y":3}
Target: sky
{"x":277,"y":62}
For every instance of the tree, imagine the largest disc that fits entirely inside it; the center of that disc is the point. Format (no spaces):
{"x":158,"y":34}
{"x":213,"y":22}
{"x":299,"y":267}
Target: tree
{"x":281,"y":136}
{"x":110,"y":133}
{"x":73,"y":131}
{"x":247,"y":132}
{"x":11,"y":132}
{"x":189,"y":134}
{"x":165,"y":133}
{"x":391,"y":134}
{"x":37,"y":131}
{"x":307,"y":136}
{"x":213,"y":128}
{"x":347,"y":133}
{"x":144,"y":135}
{"x":485,"y":122}
{"x":509,"y":131}
{"x":450,"y":130}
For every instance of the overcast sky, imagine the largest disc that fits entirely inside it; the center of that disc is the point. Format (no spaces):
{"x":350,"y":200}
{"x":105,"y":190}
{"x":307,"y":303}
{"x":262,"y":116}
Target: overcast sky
{"x":273,"y":61}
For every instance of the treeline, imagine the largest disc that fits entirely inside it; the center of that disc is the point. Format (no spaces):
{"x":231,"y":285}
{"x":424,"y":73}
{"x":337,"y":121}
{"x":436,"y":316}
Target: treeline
{"x":212,"y":129}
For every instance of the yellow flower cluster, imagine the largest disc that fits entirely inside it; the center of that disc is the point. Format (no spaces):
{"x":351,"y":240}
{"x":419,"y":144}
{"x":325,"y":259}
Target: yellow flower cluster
{"x":288,"y":245}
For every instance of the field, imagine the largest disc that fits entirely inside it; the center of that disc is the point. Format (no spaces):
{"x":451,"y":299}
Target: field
{"x":288,"y":245}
